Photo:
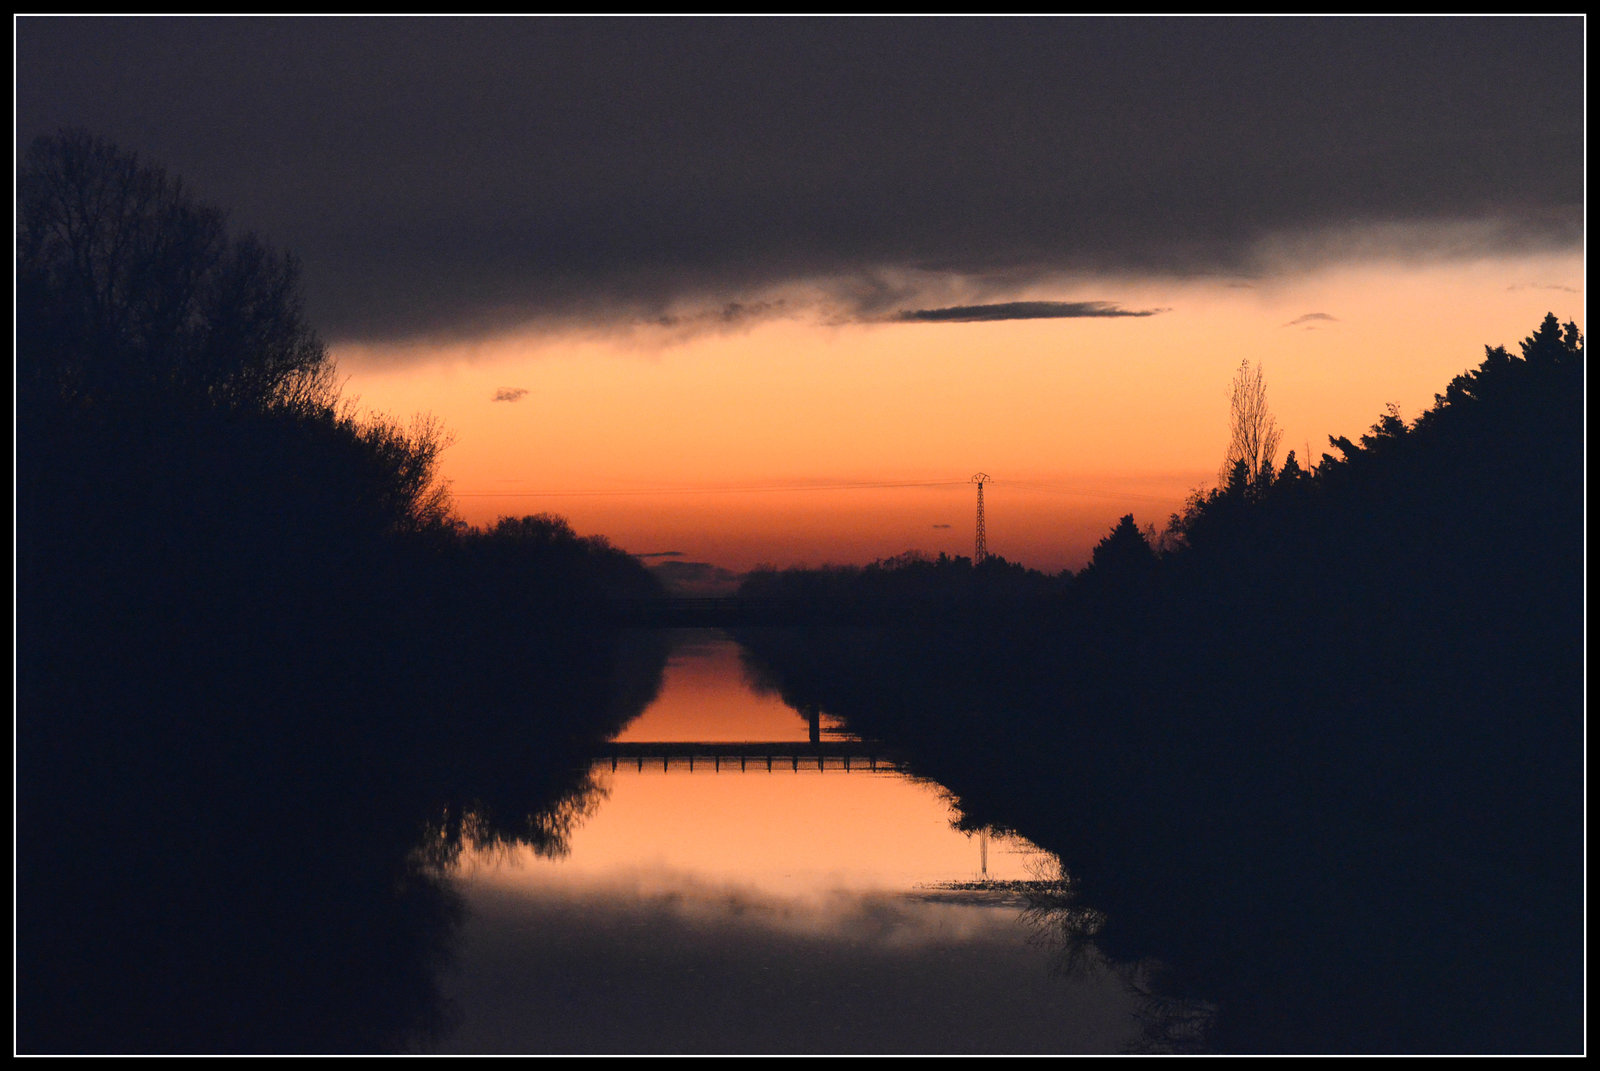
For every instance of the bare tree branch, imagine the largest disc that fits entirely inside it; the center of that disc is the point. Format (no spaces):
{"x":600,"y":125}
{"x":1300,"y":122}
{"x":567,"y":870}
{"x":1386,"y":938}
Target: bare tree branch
{"x":1253,"y":433}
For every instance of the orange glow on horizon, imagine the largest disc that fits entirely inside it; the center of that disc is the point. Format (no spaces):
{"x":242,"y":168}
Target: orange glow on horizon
{"x":794,"y":443}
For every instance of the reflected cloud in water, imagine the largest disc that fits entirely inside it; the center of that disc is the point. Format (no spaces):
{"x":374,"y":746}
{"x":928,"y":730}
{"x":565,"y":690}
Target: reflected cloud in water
{"x":662,"y":961}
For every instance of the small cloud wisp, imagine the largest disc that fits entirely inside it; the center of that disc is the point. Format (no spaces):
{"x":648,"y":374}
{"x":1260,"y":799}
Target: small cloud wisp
{"x":1019,"y":310}
{"x":1311,"y":319}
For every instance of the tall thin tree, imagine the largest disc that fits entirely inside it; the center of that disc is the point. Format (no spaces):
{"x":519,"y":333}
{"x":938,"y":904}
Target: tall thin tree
{"x":1253,"y":433}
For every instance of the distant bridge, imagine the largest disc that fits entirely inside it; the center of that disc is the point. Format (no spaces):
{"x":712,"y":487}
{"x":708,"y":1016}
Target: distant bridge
{"x":846,"y":755}
{"x":730,"y":611}
{"x":734,"y":611}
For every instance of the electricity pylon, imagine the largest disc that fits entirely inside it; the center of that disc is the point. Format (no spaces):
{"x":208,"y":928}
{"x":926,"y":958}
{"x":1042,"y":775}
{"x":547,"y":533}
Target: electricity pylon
{"x":980,"y":550}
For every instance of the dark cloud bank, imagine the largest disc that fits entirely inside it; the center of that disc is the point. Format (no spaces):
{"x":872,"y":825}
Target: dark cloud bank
{"x":460,"y":175}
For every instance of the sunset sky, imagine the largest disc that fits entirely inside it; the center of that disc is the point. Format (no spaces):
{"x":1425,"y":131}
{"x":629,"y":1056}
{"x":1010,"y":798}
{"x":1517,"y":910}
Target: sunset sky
{"x":772,"y":290}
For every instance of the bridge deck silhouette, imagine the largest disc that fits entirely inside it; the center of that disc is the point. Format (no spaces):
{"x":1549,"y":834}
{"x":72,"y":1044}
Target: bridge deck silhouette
{"x":732,"y":611}
{"x":739,"y":611}
{"x":851,"y":755}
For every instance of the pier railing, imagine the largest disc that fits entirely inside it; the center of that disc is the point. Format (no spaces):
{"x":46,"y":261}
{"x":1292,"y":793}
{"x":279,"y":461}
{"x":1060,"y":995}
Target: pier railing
{"x":744,"y":756}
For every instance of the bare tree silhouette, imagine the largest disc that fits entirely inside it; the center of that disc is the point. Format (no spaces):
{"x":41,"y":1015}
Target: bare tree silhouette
{"x":136,"y":291}
{"x":1253,"y":433}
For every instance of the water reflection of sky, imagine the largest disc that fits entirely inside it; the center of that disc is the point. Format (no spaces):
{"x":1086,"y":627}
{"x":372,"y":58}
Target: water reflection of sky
{"x":704,"y":697}
{"x":761,"y":912}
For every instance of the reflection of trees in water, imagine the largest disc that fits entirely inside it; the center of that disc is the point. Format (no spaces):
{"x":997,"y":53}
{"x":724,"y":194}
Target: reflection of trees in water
{"x":203,"y":894}
{"x":1064,"y":928}
{"x":1169,"y":1024}
{"x":474,"y":828}
{"x":1063,"y":925}
{"x":239,"y":842}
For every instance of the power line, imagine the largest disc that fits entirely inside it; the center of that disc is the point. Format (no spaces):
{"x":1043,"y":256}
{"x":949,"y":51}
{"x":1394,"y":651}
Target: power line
{"x":1023,"y":485}
{"x":737,"y":490}
{"x":1088,"y":492}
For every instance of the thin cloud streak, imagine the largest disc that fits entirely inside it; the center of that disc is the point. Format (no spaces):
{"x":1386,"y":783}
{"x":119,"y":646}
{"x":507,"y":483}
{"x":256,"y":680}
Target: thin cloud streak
{"x":1311,"y":319}
{"x":1020,"y":310}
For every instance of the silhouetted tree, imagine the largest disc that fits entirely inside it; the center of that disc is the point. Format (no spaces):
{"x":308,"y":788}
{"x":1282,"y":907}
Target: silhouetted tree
{"x":404,"y":467}
{"x":1253,"y":433}
{"x":1124,"y":553}
{"x":241,"y":610}
{"x":1553,"y":343}
{"x":135,"y":291}
{"x":542,"y":553}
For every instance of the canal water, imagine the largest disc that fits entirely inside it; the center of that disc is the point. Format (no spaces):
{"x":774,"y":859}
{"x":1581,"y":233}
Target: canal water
{"x":809,"y":910}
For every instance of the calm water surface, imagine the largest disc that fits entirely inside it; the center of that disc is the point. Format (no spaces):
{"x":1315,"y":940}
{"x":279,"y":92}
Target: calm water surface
{"x":783,"y":911}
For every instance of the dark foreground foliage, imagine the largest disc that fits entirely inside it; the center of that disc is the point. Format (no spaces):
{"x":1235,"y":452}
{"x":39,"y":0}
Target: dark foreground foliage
{"x":266,"y":686}
{"x":1323,"y":758}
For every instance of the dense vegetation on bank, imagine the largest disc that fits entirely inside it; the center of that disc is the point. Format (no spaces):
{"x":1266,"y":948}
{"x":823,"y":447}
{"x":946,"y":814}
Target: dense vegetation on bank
{"x":265,"y":680}
{"x":1321,"y":754}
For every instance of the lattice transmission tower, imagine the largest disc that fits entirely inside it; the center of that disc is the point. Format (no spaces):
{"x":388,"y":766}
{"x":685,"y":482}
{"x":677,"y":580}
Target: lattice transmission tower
{"x":980,"y":549}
